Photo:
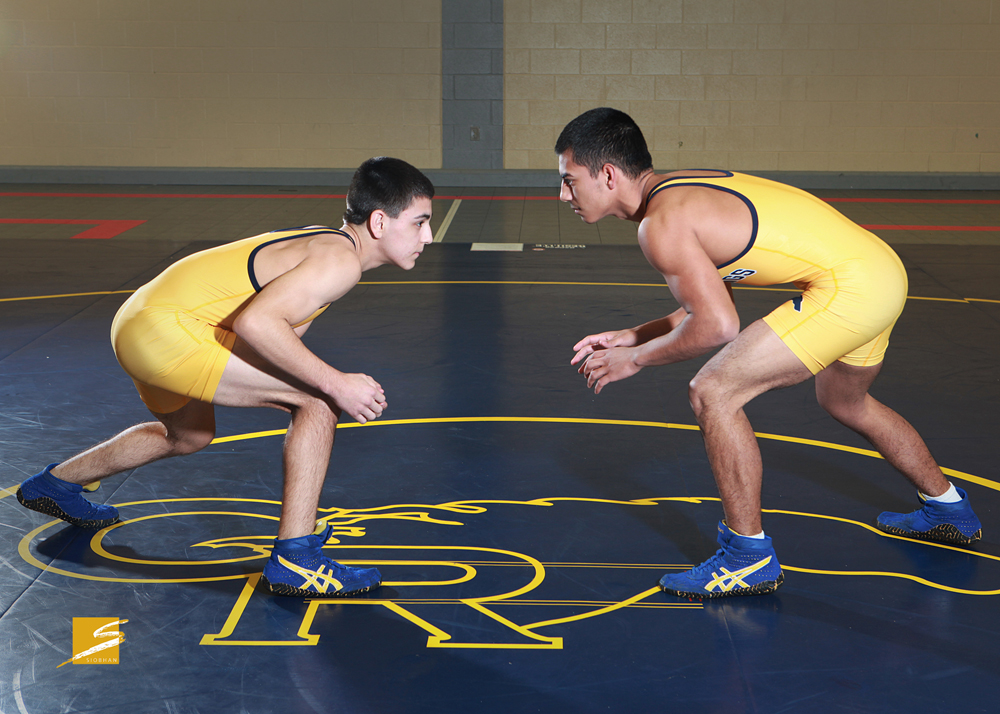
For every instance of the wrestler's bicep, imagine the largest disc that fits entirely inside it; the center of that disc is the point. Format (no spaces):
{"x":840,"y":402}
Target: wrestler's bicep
{"x":692,"y":278}
{"x":297,"y":294}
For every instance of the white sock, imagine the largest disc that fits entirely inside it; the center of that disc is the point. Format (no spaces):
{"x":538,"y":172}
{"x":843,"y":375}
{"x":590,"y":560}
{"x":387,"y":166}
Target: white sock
{"x":949,"y":496}
{"x":759,"y":536}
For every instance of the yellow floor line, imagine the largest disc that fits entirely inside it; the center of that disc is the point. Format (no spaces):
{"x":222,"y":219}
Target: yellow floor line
{"x":440,"y":236}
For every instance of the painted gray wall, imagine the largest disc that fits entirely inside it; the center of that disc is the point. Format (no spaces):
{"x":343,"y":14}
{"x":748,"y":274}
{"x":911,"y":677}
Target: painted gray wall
{"x":472,"y":84}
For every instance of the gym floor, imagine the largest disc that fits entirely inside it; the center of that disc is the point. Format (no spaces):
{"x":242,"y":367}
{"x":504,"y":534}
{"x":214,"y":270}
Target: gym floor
{"x":520,"y":522}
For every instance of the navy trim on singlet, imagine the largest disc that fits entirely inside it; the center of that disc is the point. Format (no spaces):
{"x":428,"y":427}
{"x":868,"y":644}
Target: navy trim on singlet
{"x":747,"y":201}
{"x":253,"y":253}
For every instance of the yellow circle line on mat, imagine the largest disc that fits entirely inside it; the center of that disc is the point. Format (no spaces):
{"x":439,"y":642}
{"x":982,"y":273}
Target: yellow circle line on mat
{"x":24,"y":551}
{"x":502,"y":282}
{"x":987,"y":483}
{"x":65,"y":295}
{"x":887,"y":574}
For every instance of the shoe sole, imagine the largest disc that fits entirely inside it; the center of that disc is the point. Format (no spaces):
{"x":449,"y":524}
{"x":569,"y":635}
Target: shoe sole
{"x":944,"y":533}
{"x":292,"y":591}
{"x":768,"y":586}
{"x":44,"y":504}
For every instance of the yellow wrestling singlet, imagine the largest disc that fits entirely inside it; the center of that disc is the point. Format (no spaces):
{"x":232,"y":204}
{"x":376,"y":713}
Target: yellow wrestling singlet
{"x":174,"y":335}
{"x":854,"y":285}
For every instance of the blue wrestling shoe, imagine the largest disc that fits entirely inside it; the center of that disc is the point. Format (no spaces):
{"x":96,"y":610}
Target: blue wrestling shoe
{"x":953,"y":523}
{"x":47,"y":494}
{"x":298,"y":567}
{"x":743,"y":566}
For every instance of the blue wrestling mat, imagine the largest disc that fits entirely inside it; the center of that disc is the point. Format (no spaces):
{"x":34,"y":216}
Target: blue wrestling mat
{"x":520,"y":522}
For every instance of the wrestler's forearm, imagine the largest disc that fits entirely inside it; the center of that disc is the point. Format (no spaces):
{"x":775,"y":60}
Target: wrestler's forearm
{"x":277,"y":342}
{"x":659,"y":327}
{"x":689,"y":339}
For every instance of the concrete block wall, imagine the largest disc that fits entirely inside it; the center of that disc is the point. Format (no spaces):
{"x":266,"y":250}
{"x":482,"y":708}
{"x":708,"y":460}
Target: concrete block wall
{"x":219,"y":83}
{"x":472,"y":82}
{"x":765,"y":85}
{"x":907,"y":86}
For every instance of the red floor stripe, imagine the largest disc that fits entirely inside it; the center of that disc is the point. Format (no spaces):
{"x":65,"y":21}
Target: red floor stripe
{"x":258,"y":196}
{"x":929,"y":228}
{"x":177,"y":195}
{"x":499,"y":198}
{"x":981,"y":201}
{"x":102,"y":229}
{"x":954,"y":201}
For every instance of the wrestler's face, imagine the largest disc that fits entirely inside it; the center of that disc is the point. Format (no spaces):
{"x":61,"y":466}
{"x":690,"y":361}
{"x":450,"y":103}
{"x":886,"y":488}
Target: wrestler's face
{"x":406,"y":235}
{"x":588,"y":195}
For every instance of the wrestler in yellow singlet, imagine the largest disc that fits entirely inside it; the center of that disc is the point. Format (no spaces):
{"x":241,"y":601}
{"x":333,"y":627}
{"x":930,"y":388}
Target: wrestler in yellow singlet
{"x":174,"y":335}
{"x":854,"y":285}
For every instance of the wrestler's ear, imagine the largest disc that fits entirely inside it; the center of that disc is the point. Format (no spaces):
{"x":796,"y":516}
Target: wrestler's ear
{"x":376,"y":223}
{"x":609,"y":176}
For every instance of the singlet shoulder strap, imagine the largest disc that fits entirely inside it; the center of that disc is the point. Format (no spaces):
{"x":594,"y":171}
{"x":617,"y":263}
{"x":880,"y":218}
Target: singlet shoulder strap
{"x":311,"y":231}
{"x":346,"y":235}
{"x":708,"y":182}
{"x":300,"y":232}
{"x":668,"y":182}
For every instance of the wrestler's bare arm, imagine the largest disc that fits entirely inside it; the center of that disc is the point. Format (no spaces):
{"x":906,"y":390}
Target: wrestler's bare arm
{"x":326,"y":273}
{"x":709,"y":319}
{"x":629,"y":337}
{"x":706,"y":319}
{"x":657,"y":328}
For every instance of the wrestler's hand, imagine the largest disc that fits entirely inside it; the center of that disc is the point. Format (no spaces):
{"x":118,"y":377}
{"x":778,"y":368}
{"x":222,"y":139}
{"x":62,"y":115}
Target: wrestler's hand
{"x":603,"y":341}
{"x":360,"y":396}
{"x":609,"y":365}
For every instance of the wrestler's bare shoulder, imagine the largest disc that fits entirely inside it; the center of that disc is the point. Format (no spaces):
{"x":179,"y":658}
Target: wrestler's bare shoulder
{"x":329,"y":253}
{"x":659,"y":192}
{"x":718,"y":220}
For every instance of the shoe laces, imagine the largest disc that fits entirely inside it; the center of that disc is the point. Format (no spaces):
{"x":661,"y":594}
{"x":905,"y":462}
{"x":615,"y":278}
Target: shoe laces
{"x":314,"y":561}
{"x":711,"y":564}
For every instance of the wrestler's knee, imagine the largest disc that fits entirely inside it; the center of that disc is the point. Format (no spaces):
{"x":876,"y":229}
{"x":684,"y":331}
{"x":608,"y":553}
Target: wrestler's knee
{"x":842,"y":391}
{"x":316,"y":408}
{"x":715,"y":391}
{"x":829,"y":400}
{"x":189,"y":440}
{"x":847,"y":411}
{"x":704,"y":393}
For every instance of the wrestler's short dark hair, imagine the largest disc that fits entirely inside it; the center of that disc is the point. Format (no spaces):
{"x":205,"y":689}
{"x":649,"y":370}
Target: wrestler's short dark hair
{"x":606,"y":136}
{"x":385,"y":184}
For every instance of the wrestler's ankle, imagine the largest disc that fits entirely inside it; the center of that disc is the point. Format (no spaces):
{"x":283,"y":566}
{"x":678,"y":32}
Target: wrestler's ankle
{"x":51,"y":475}
{"x":71,"y":476}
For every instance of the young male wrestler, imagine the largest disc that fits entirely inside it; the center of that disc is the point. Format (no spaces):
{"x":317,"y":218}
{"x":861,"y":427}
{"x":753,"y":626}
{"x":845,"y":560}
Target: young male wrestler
{"x":704,"y":231}
{"x":224,"y":326}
